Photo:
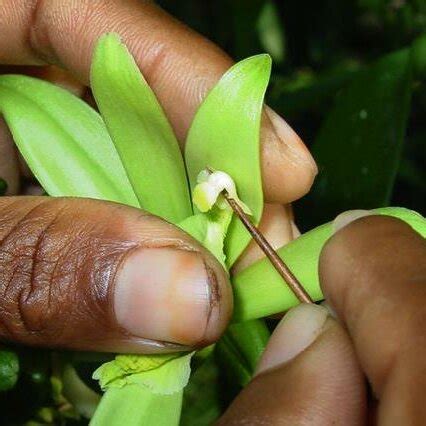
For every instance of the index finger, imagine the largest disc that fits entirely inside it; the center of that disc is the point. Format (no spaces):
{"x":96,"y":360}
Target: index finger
{"x":373,"y":273}
{"x":180,"y":65}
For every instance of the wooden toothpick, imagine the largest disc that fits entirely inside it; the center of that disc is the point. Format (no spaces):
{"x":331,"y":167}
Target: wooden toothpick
{"x":288,"y":276}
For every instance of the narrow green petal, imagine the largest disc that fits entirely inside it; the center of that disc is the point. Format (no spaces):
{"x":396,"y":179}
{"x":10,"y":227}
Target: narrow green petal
{"x":63,"y":140}
{"x":259,"y":290}
{"x":141,"y":133}
{"x":225,"y":136}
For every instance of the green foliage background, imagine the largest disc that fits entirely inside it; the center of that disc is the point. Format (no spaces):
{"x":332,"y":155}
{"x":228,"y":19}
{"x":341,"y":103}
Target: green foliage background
{"x":319,"y":48}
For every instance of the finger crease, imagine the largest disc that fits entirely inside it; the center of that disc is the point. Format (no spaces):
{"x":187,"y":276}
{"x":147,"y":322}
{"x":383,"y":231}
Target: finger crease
{"x":35,"y":34}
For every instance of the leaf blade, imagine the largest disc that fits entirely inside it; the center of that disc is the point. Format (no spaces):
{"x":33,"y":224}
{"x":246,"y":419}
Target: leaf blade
{"x":359,"y":145}
{"x":138,"y":406}
{"x":225,"y":136}
{"x":63,"y":140}
{"x":132,"y":113}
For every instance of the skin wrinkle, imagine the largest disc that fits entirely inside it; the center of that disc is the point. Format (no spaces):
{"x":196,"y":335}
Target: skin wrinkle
{"x":73,"y":263}
{"x":37,"y":37}
{"x":10,"y":234}
{"x":37,"y":259}
{"x":25,"y":292}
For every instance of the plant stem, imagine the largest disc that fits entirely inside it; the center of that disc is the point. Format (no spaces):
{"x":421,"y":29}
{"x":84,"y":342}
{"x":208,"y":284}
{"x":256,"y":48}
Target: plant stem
{"x":259,"y":290}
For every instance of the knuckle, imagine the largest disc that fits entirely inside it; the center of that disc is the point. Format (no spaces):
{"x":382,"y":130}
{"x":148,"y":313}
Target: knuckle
{"x":25,"y":270}
{"x":55,"y":272}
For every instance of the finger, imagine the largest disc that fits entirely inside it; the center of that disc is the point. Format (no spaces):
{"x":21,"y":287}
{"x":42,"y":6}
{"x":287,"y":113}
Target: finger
{"x":54,"y":75}
{"x":173,"y":58}
{"x":91,"y":275}
{"x":9,"y":167}
{"x":373,"y":273}
{"x":308,"y":375}
{"x":51,"y":73}
{"x":277,"y":227}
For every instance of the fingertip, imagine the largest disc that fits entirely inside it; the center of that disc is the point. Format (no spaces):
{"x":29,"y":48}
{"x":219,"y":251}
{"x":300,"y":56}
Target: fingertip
{"x":298,"y":329}
{"x":288,"y":168}
{"x":171,"y":295}
{"x":313,"y":374}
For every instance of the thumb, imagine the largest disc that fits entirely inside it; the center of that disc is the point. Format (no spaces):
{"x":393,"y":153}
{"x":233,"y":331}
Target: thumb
{"x":91,"y":275}
{"x":308,"y":375}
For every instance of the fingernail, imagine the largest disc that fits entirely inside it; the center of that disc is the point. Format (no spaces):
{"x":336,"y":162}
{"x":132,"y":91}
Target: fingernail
{"x":346,"y":218}
{"x":291,"y":139}
{"x":297,"y":331}
{"x":168,"y":295}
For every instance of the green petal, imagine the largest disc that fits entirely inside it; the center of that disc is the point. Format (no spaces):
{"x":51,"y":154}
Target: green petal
{"x":209,"y":229}
{"x":135,"y":405}
{"x":142,"y":135}
{"x":163,"y":374}
{"x":225,"y":136}
{"x":259,"y":291}
{"x":63,"y":140}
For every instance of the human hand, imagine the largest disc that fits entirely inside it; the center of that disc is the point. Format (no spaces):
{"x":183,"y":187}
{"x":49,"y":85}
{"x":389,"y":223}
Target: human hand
{"x":85,"y":274}
{"x":313,"y":371}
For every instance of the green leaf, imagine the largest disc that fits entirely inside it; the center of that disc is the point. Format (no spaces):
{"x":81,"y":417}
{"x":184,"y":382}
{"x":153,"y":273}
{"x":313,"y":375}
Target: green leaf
{"x":134,"y":405}
{"x":203,"y":398}
{"x":359,"y":145}
{"x":9,"y":369}
{"x":259,"y":290}
{"x":225,"y":136}
{"x":240,"y":349}
{"x":271,"y":31}
{"x":142,"y":135}
{"x":309,"y":94}
{"x":63,"y":140}
{"x":161,"y":374}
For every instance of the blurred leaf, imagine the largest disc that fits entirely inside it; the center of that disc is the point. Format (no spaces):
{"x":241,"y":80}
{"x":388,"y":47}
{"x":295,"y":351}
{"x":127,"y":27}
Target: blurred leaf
{"x":418,"y":52}
{"x":271,"y":31}
{"x":245,"y":14}
{"x":141,"y":132}
{"x":9,"y":369}
{"x":307,"y":92}
{"x":63,"y":140}
{"x":3,"y":186}
{"x":203,"y":400}
{"x":359,"y":145}
{"x":225,"y":136}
